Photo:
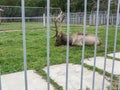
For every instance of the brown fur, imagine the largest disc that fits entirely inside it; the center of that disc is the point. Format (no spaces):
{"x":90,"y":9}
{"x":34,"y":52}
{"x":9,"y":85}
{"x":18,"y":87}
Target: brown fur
{"x":74,"y":39}
{"x":77,"y":39}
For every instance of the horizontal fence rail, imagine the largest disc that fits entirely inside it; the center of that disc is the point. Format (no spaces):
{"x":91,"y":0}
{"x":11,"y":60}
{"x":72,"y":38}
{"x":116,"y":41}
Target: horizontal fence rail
{"x":91,"y":19}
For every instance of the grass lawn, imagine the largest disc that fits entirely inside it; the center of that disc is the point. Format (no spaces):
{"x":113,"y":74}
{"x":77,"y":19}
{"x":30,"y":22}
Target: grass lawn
{"x":11,"y":49}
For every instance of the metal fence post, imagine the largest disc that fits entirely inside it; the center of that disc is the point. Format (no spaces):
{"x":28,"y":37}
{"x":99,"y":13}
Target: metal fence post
{"x":119,"y":84}
{"x":0,"y":80}
{"x":90,"y":19}
{"x":67,"y":49}
{"x":24,"y":43}
{"x":115,"y":43}
{"x":83,"y":47}
{"x":44,"y":19}
{"x":106,"y":44}
{"x":95,"y":46}
{"x":48,"y":44}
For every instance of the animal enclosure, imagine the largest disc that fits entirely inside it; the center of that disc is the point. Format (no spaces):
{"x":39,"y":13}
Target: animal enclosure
{"x":25,"y":43}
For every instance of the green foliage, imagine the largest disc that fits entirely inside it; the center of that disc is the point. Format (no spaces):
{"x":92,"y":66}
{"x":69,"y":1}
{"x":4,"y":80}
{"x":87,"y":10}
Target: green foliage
{"x":11,"y":49}
{"x":10,"y":2}
{"x":12,"y":12}
{"x":75,"y":5}
{"x":59,"y":3}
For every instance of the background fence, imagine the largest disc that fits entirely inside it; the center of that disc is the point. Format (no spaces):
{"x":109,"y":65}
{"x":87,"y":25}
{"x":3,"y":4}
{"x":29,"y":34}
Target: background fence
{"x":33,"y":14}
{"x":36,"y":14}
{"x":77,"y":18}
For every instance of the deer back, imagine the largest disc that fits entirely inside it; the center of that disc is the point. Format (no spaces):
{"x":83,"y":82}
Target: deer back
{"x":77,"y":39}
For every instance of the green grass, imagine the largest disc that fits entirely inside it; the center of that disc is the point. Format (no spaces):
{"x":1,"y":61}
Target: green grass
{"x":18,"y":26}
{"x":11,"y":49}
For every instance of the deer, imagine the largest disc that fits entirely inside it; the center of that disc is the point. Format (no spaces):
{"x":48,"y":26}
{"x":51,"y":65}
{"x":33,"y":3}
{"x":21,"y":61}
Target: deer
{"x":75,"y":39}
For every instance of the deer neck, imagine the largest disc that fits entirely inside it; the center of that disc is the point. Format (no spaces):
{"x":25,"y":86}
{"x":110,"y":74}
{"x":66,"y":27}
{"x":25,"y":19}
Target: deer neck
{"x":64,"y":39}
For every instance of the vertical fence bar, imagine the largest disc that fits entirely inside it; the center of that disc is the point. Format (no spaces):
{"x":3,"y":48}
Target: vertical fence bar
{"x":67,"y":49}
{"x":90,"y":19}
{"x":0,"y":83}
{"x":24,"y":43}
{"x":96,"y":39}
{"x":0,"y":80}
{"x":106,"y":43}
{"x":115,"y":43}
{"x":83,"y":47}
{"x":119,"y":84}
{"x":44,"y":19}
{"x":48,"y":44}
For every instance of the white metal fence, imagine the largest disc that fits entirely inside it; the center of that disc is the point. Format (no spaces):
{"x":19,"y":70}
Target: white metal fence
{"x":35,"y":14}
{"x":97,"y":21}
{"x":75,"y":18}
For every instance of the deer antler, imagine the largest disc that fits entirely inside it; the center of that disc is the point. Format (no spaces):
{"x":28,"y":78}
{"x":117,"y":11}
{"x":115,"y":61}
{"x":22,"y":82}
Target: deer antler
{"x":62,"y":18}
{"x":55,"y":29}
{"x":59,"y":19}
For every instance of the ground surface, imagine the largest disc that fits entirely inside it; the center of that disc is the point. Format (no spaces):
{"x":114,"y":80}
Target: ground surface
{"x":58,"y":73}
{"x":11,"y":48}
{"x":109,"y":64}
{"x":15,"y":81}
{"x":117,"y":55}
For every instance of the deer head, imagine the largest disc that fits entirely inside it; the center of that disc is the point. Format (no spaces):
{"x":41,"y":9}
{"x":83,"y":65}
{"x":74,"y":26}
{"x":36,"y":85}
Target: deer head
{"x":59,"y":35}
